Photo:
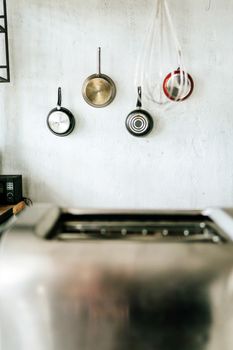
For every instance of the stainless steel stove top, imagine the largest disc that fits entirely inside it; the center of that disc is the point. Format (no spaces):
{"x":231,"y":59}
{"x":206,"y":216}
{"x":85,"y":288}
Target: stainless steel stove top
{"x":114,"y":280}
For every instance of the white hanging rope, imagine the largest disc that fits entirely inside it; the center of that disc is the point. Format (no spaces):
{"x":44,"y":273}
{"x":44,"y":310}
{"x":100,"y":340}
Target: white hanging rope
{"x":146,"y":61}
{"x":208,"y":5}
{"x":173,"y":31}
{"x":183,"y":84}
{"x":152,"y":52}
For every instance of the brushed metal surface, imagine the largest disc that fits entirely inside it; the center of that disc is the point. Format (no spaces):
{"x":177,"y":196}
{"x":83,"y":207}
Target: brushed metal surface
{"x":99,"y":91}
{"x":112,"y":295}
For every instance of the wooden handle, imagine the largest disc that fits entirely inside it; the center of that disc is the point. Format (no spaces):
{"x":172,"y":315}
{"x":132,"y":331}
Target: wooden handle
{"x":18,"y":208}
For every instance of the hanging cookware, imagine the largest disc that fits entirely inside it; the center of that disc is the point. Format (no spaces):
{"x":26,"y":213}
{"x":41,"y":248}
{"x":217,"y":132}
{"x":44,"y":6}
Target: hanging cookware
{"x":99,"y":90}
{"x":139,"y":122}
{"x":175,"y":88}
{"x":161,"y":53}
{"x":60,"y":120}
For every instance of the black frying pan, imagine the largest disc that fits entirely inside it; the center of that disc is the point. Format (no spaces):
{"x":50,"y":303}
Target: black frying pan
{"x":139,"y":122}
{"x":60,"y":120}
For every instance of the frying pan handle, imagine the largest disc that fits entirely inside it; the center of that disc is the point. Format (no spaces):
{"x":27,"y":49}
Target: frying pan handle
{"x":99,"y":61}
{"x":59,"y":101}
{"x":139,"y":102}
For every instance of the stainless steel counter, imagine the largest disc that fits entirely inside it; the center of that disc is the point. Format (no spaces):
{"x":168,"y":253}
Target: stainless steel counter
{"x":114,"y":294}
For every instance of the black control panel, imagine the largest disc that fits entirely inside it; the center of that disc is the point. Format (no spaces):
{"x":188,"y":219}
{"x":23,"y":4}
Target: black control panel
{"x":11,"y":189}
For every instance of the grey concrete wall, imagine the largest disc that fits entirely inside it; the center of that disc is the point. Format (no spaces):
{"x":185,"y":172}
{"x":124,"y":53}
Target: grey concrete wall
{"x":186,"y":162}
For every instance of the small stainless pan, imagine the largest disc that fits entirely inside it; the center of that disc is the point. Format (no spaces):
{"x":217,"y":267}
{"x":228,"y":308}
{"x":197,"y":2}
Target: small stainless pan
{"x":60,"y":120}
{"x":139,"y":122}
{"x":99,"y":90}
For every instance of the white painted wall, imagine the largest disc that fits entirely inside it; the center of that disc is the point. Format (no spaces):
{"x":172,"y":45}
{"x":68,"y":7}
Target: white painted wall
{"x":186,"y":163}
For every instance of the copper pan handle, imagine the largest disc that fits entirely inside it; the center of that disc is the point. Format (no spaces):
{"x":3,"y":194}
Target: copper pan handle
{"x":99,"y":61}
